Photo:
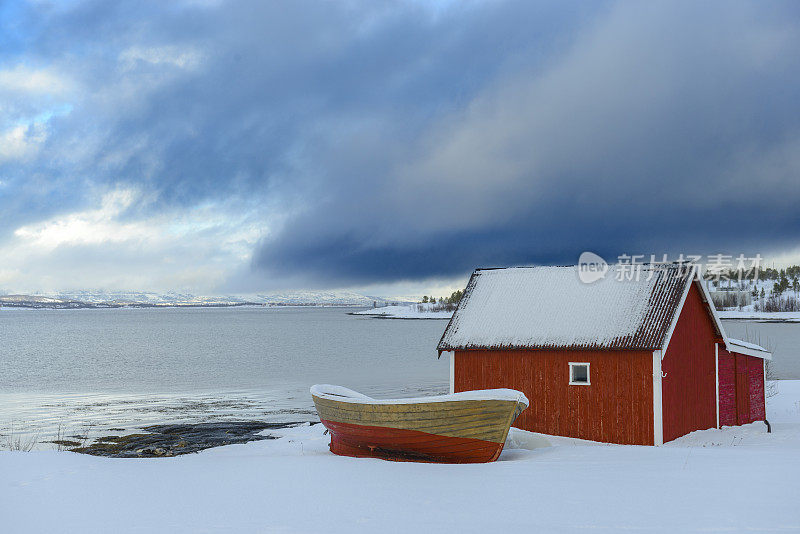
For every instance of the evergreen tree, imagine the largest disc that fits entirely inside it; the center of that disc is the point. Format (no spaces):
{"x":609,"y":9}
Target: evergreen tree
{"x":784,"y":282}
{"x":455,"y":297}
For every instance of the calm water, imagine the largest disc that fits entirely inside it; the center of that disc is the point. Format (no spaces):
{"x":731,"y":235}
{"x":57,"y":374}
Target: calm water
{"x":94,"y":370}
{"x":783,"y":339}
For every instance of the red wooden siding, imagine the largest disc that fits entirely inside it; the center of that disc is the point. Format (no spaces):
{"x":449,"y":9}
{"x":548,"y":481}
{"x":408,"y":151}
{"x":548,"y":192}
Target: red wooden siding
{"x":617,"y":406}
{"x":741,"y":389}
{"x":689,"y":389}
{"x":727,"y":388}
{"x":757,"y":408}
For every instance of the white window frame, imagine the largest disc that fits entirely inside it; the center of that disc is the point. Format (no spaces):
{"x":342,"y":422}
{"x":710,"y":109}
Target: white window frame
{"x":588,"y":374}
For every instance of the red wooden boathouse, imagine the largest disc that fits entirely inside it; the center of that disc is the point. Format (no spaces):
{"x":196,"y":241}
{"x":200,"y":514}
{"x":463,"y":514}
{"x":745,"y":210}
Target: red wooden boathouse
{"x":633,"y":358}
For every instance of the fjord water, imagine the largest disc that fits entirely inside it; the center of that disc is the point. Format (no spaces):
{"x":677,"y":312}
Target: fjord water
{"x":782,"y":338}
{"x":101,"y":371}
{"x":92,"y":370}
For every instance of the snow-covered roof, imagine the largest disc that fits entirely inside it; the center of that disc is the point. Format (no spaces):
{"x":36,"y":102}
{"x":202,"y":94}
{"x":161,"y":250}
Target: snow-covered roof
{"x":550,"y":307}
{"x":343,"y":394}
{"x":749,"y":349}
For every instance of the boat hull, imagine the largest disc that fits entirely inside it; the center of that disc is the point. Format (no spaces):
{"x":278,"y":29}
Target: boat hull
{"x":408,"y":445}
{"x":457,"y":431}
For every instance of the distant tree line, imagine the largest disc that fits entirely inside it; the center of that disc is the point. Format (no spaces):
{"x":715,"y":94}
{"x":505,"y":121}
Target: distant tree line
{"x":442,"y":303}
{"x":783,"y":294}
{"x":767,"y":273}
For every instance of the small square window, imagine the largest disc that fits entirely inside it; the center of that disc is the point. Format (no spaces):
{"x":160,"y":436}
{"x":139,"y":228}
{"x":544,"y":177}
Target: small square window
{"x":579,"y":374}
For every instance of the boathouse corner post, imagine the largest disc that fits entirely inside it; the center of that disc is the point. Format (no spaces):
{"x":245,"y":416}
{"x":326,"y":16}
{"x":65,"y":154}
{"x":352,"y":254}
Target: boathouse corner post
{"x":658,"y":422}
{"x":716,"y":377}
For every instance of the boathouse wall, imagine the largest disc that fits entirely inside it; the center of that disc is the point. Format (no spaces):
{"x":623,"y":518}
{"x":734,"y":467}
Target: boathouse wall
{"x":688,"y":382}
{"x":616,"y":406}
{"x":741,"y":388}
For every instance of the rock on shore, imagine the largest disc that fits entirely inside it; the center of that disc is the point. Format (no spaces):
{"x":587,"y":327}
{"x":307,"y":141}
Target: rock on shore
{"x":172,"y":440}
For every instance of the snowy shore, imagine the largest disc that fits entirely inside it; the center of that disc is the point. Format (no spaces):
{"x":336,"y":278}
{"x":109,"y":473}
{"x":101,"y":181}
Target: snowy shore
{"x":736,"y":479}
{"x":788,"y":317}
{"x":410,"y":311}
{"x":422,"y":311}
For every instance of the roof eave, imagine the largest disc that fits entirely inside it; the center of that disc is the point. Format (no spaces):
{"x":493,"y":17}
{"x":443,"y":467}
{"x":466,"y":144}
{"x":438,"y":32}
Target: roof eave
{"x":747,"y":351}
{"x":605,"y":348}
{"x":442,"y":346}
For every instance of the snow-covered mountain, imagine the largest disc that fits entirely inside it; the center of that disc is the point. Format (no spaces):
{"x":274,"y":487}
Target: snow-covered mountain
{"x":99,"y":298}
{"x":323,"y":298}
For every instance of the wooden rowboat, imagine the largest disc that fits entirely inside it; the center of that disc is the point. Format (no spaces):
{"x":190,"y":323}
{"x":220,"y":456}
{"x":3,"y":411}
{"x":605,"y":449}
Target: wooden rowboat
{"x":460,"y":428}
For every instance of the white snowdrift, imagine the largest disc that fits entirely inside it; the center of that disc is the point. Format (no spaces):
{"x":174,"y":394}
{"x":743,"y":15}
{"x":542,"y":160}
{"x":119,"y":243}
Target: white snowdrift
{"x":738,"y":479}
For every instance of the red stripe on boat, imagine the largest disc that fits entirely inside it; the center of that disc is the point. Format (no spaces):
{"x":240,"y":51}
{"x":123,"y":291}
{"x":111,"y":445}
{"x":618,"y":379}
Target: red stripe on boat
{"x":398,"y":444}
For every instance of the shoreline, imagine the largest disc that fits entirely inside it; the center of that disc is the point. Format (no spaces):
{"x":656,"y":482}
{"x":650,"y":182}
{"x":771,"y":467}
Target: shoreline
{"x":167,"y":440}
{"x":146,"y":306}
{"x":405,"y":311}
{"x":383,"y":316}
{"x":765,"y":317}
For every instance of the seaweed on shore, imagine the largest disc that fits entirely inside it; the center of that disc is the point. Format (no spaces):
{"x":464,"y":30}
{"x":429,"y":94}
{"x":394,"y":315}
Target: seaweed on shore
{"x":173,"y":440}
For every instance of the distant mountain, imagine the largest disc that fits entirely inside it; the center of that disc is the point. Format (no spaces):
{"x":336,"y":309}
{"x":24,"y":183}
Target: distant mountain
{"x":325,"y":298}
{"x":116,"y":299}
{"x":38,"y":301}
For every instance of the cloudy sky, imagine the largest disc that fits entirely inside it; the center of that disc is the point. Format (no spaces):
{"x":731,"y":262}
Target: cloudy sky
{"x":236,"y":147}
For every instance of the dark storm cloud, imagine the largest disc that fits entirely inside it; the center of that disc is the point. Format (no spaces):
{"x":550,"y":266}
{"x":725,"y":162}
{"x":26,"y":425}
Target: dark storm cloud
{"x":271,"y":80}
{"x":384,"y":141}
{"x":662,"y":128}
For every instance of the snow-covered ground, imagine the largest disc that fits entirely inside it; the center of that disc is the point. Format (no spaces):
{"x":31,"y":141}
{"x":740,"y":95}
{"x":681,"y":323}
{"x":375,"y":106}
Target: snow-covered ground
{"x":789,"y":317}
{"x":738,"y":479}
{"x":410,"y":311}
